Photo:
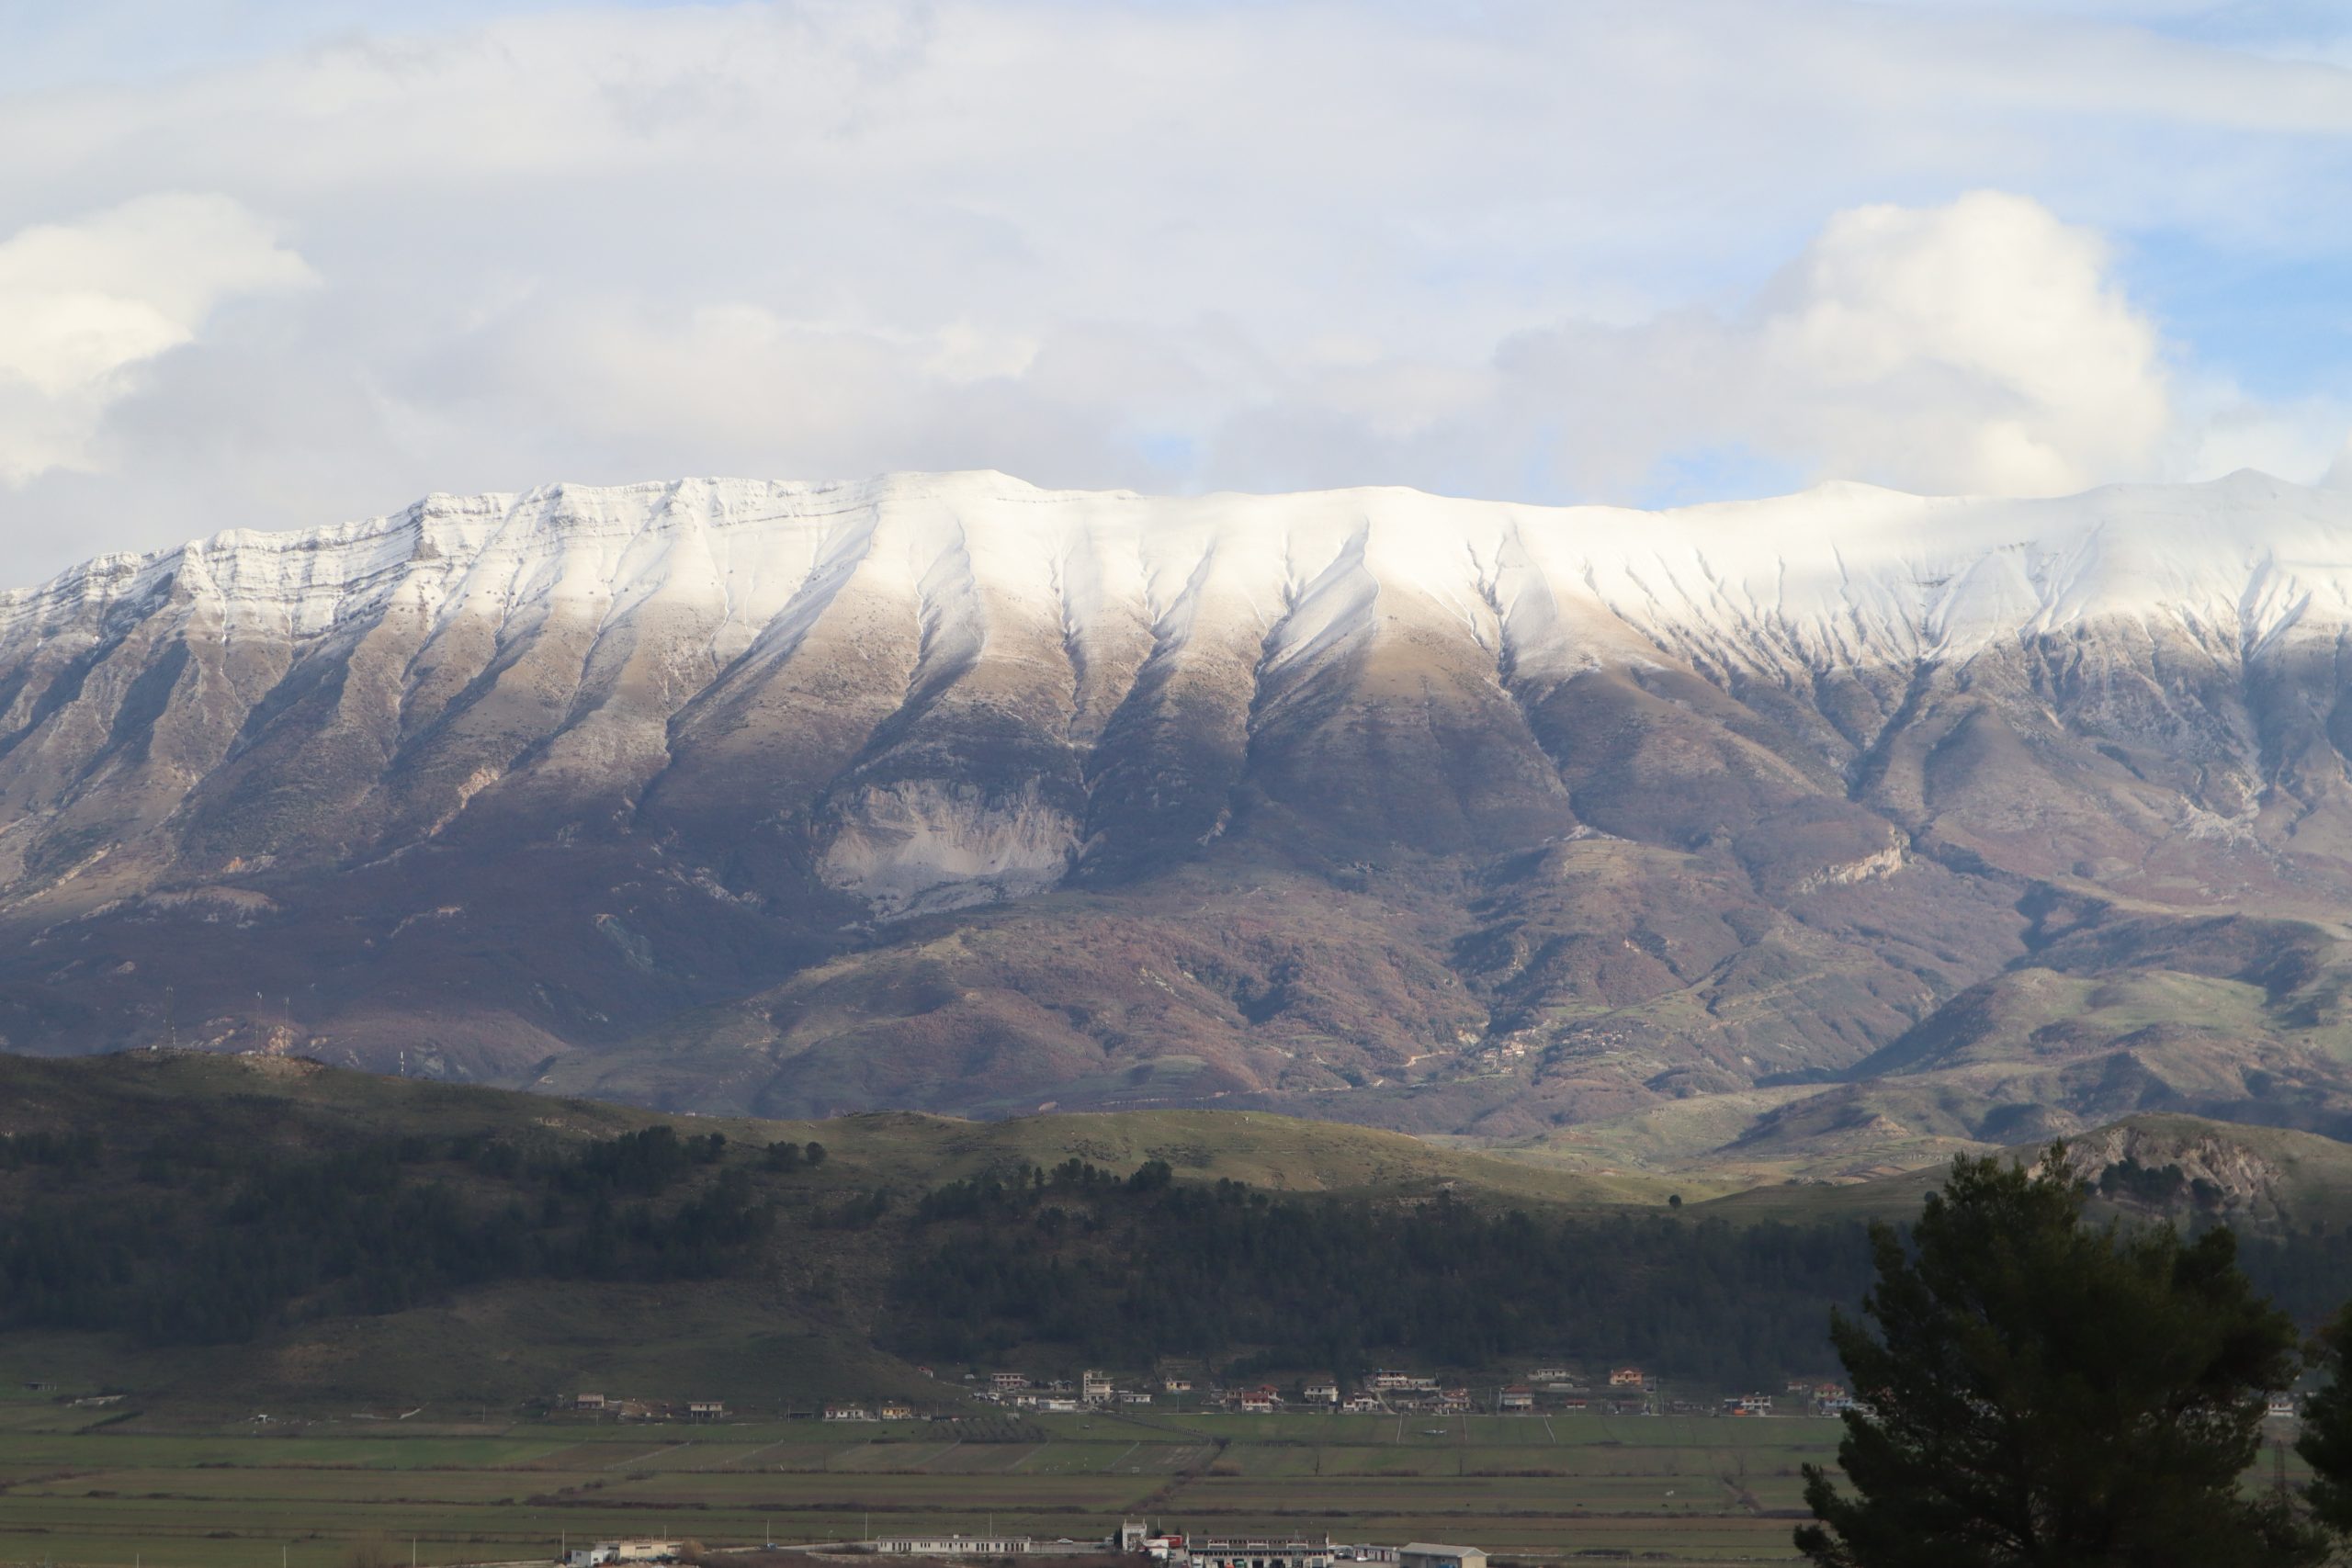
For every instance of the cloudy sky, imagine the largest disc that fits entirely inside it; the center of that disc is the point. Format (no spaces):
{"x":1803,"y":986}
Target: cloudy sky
{"x":268,"y":263}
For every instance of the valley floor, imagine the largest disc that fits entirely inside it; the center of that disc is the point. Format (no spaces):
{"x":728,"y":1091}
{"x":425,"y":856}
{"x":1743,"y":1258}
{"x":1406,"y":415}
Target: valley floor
{"x":1668,"y":1490}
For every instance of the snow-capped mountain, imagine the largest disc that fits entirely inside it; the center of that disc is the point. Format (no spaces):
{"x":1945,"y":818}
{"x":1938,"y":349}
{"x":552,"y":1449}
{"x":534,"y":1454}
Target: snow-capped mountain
{"x":947,"y":790}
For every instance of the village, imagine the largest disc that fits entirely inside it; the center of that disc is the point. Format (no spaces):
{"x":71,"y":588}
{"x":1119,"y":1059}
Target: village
{"x":1620,"y":1391}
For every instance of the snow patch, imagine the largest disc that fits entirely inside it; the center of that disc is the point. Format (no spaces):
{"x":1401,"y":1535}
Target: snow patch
{"x":1839,"y":575}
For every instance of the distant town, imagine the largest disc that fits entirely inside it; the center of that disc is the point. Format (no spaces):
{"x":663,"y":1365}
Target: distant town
{"x":1542,"y":1390}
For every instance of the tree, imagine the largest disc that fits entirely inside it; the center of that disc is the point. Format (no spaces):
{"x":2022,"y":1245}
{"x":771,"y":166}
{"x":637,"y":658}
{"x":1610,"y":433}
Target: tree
{"x":2043,"y":1392}
{"x":2326,"y":1442}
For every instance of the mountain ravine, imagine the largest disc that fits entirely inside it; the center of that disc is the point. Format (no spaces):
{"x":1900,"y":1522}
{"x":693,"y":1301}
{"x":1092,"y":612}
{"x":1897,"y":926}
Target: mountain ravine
{"x":1898,"y":817}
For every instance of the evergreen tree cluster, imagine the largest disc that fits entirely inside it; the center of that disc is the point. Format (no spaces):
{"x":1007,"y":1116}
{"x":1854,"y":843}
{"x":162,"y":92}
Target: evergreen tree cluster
{"x":1123,"y":1269}
{"x":2127,"y":1178}
{"x":62,"y":1151}
{"x":216,"y":1240}
{"x":642,"y":1164}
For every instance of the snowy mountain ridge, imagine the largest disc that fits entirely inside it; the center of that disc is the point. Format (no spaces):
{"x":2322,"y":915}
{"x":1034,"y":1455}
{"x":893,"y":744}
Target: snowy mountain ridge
{"x":949,"y":792}
{"x":1838,"y":574}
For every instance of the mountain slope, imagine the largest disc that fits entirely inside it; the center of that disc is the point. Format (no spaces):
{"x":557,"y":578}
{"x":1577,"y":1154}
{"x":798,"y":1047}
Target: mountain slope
{"x":2290,"y":1191}
{"x":950,"y":792}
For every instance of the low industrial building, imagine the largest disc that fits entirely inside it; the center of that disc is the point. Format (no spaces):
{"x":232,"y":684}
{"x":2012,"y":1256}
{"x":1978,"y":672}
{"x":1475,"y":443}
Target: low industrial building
{"x":1424,"y":1554}
{"x":1290,"y":1552}
{"x":952,"y":1545}
{"x":622,"y":1551}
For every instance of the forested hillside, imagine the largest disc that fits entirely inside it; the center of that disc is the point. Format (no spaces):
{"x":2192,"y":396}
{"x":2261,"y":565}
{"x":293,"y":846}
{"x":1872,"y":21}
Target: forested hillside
{"x":163,"y":1214}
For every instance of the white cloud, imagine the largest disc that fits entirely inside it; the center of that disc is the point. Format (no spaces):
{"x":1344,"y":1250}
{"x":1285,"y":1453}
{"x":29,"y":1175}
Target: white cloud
{"x":1521,"y":249}
{"x":1976,"y":346}
{"x":1979,"y":345}
{"x":2339,"y":473}
{"x":84,"y":304}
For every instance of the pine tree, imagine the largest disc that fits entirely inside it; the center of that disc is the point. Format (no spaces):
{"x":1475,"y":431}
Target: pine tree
{"x":2043,"y":1391}
{"x":2326,"y":1440}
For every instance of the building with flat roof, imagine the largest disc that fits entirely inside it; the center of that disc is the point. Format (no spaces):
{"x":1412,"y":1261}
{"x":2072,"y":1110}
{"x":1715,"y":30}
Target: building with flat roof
{"x":1426,"y":1554}
{"x":952,"y":1545}
{"x":606,"y":1552}
{"x":1288,"y":1552}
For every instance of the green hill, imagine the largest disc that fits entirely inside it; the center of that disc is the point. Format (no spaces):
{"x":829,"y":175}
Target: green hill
{"x":216,"y":1237}
{"x":128,"y":1186}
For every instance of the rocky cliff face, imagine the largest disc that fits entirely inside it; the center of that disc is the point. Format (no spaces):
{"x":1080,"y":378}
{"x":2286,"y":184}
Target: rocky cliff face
{"x":952,"y":792}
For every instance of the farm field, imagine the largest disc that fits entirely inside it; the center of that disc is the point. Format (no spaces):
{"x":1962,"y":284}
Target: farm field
{"x":1668,"y":1490}
{"x":86,"y":1489}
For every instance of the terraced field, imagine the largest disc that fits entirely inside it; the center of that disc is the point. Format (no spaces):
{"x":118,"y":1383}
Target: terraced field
{"x":1558,"y":1489}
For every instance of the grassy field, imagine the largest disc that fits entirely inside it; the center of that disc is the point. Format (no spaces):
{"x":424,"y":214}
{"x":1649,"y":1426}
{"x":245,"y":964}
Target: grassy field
{"x":1668,"y":1490}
